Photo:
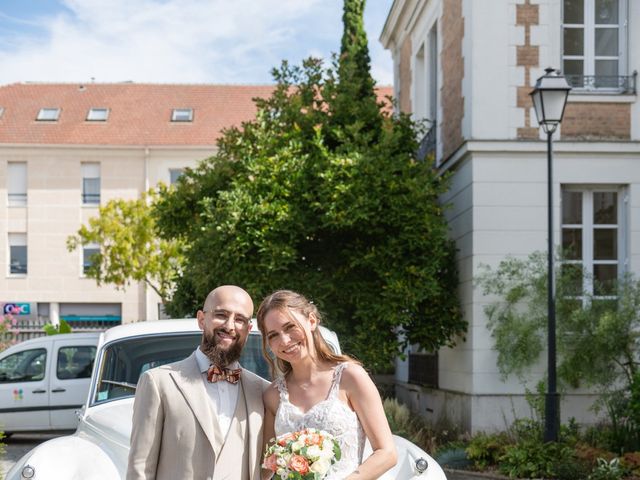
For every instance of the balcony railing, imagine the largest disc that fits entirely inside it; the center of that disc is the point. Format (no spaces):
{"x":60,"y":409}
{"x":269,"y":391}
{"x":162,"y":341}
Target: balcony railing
{"x":604,"y":83}
{"x":427,"y":144}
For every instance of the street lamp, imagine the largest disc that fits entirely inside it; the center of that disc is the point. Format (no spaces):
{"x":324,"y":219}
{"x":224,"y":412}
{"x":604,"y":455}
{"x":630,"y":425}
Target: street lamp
{"x":549,"y":99}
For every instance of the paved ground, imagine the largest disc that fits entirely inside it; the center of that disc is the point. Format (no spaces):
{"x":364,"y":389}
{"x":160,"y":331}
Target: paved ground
{"x":19,"y":444}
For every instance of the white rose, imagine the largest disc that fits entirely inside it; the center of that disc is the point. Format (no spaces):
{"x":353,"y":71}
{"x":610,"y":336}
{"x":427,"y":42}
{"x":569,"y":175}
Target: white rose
{"x":327,"y":450}
{"x":321,"y":466}
{"x":297,"y":445}
{"x":314,"y":452}
{"x":283,"y":460}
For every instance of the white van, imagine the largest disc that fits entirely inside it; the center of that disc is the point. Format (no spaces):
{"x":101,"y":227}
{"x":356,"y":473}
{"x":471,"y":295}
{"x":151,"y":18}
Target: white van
{"x":43,"y":381}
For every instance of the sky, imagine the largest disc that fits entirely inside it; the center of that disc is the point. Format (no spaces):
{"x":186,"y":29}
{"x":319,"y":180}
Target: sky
{"x":174,"y":41}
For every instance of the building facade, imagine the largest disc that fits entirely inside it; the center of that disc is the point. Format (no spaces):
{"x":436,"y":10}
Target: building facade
{"x":467,"y":67}
{"x":65,"y":149}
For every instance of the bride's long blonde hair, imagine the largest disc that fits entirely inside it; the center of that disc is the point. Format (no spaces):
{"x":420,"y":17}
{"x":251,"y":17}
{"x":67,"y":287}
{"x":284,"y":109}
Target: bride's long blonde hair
{"x":287,"y":301}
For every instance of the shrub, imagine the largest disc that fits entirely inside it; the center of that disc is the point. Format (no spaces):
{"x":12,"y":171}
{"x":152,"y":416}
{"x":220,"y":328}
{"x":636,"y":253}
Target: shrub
{"x":408,"y":425}
{"x":589,"y":454}
{"x":2,"y":452}
{"x":486,"y":449}
{"x":534,"y":459}
{"x":608,"y":470}
{"x":8,"y":331}
{"x":416,"y":429}
{"x":631,"y":462}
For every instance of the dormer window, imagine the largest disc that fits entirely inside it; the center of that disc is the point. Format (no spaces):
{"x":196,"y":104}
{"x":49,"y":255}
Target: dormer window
{"x":98,"y":115}
{"x":48,"y":114}
{"x":182,"y":115}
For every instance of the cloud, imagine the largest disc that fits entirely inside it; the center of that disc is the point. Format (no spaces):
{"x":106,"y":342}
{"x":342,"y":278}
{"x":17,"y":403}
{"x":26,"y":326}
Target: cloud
{"x":181,"y":41}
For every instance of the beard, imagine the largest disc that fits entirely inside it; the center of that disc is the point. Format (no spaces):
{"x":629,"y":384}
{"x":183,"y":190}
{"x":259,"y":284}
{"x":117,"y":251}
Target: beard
{"x":217,"y":354}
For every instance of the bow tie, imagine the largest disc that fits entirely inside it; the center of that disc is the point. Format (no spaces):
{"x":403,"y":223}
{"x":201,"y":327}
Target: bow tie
{"x":215,"y":373}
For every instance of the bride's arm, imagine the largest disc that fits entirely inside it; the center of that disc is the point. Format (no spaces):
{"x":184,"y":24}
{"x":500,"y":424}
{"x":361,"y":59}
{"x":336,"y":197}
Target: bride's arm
{"x":271,"y":399}
{"x":365,"y":400}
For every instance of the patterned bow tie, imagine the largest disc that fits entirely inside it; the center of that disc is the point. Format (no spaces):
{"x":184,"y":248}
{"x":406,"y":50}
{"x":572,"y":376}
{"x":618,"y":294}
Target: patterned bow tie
{"x":215,"y":373}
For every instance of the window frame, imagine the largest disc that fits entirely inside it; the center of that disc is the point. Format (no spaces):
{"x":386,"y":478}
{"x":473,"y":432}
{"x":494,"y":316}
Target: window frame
{"x":93,"y":111}
{"x":42,"y":117}
{"x":90,"y":199}
{"x":11,"y":242}
{"x":85,"y":262}
{"x":177,"y":115}
{"x":589,"y":57}
{"x":588,"y":228}
{"x":172,"y":172}
{"x":20,"y":195}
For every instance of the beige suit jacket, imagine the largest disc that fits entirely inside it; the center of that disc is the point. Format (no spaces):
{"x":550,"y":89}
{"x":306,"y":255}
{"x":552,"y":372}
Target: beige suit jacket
{"x":174,"y":435}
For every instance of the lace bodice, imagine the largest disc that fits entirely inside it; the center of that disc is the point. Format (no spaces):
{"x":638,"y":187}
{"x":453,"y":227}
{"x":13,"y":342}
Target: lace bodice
{"x":331,"y":415}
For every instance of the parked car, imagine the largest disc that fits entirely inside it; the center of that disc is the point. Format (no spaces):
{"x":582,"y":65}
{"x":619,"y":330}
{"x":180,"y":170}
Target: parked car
{"x":99,"y":448}
{"x":43,"y":381}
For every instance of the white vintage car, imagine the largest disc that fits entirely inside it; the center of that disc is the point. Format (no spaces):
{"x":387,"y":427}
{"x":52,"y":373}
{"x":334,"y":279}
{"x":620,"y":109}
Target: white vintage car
{"x":99,"y":448}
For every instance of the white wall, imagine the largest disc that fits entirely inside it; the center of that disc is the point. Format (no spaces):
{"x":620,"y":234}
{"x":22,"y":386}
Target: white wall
{"x":54,"y":211}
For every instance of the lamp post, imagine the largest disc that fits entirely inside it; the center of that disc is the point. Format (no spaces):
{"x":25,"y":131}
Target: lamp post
{"x":549,"y":99}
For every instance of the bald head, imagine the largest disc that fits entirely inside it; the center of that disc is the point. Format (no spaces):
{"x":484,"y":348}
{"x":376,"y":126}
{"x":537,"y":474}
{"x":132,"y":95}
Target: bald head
{"x":229,"y":294}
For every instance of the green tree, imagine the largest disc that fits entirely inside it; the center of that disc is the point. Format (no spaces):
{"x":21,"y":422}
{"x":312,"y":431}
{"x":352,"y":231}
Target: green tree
{"x":356,"y":226}
{"x":130,"y":249}
{"x":355,"y":111}
{"x":597,"y":338}
{"x":62,"y":327}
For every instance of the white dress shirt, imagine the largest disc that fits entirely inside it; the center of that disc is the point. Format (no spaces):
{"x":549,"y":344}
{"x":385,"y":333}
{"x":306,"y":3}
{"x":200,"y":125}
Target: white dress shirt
{"x":223,"y":395}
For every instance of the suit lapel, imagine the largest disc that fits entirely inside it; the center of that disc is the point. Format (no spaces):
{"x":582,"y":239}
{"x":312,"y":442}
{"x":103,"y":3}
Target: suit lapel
{"x":255,"y":411}
{"x":189,"y":381}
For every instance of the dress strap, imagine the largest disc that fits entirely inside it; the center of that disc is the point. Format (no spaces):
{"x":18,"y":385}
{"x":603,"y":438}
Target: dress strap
{"x":335,"y":382}
{"x":281,"y":385}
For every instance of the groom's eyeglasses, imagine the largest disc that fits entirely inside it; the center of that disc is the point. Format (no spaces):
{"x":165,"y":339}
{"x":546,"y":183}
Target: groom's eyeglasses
{"x":223,"y":316}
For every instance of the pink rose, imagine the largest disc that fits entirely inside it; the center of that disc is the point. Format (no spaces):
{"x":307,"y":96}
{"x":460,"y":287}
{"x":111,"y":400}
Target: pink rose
{"x":285,"y":439}
{"x":299,"y":464}
{"x":270,"y":463}
{"x":313,"y":439}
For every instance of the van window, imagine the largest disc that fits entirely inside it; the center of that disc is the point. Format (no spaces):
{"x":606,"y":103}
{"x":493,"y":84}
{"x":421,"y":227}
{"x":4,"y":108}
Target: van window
{"x":75,"y":362}
{"x":25,"y":366}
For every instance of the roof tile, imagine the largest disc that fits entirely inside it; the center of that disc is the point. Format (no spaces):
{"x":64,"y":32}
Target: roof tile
{"x":139,"y":114}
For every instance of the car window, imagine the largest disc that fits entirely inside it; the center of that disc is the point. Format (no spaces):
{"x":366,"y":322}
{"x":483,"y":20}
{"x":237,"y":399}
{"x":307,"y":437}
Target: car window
{"x":252,"y":358}
{"x":124,"y":361}
{"x":75,"y":362}
{"x":25,"y":366}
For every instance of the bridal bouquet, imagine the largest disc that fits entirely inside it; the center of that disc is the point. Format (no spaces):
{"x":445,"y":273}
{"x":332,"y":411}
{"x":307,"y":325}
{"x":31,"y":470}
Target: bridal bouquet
{"x":303,"y":455}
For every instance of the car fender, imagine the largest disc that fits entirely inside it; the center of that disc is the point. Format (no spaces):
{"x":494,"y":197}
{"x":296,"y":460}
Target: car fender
{"x":70,"y":457}
{"x":406,"y":467}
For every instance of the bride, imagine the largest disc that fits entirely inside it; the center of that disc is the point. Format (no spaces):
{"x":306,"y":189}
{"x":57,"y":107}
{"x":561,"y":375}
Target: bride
{"x":319,"y":389}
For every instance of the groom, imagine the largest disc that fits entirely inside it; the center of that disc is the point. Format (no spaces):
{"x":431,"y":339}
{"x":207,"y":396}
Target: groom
{"x":202,"y":417}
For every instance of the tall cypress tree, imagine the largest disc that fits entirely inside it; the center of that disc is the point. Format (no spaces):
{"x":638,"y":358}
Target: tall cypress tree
{"x":355,"y":107}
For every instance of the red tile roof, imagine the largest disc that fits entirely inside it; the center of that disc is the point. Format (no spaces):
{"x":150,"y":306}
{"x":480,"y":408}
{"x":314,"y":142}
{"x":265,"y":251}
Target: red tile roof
{"x":139,"y":114}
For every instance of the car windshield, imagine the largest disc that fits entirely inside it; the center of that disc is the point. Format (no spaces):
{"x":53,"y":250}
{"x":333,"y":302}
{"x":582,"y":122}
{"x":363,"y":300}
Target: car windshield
{"x":125,"y":360}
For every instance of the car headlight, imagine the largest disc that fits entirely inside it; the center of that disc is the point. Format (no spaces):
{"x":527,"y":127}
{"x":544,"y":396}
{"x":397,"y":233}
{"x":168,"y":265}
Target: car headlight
{"x":421,"y":465}
{"x":28,"y":471}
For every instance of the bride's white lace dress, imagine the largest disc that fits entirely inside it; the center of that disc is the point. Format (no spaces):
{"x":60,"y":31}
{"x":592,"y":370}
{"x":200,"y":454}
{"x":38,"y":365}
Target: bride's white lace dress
{"x":331,"y":415}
